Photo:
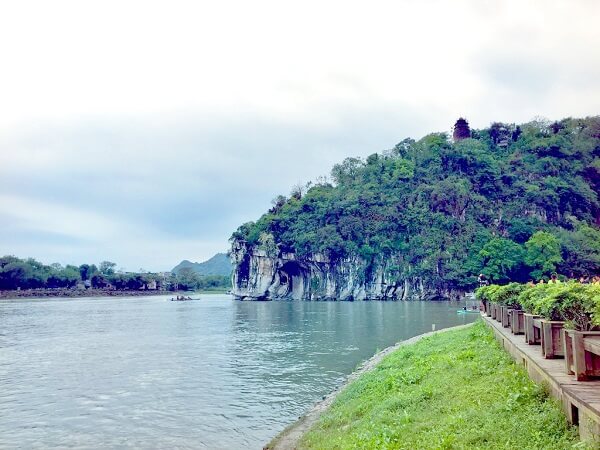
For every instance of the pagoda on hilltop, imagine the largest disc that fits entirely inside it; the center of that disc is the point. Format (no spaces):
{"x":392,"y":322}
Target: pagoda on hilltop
{"x":461,"y":130}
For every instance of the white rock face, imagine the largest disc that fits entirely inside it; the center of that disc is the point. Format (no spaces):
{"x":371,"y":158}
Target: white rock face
{"x":258,"y":276}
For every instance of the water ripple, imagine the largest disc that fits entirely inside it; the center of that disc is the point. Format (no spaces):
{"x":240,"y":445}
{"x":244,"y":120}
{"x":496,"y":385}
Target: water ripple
{"x":147,"y":373}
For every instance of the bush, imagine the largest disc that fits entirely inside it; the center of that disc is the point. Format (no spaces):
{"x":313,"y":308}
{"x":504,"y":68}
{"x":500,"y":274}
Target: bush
{"x":508,"y":295}
{"x":504,"y":295}
{"x":596,"y":307}
{"x":549,"y":304}
{"x":531,"y":296}
{"x":486,"y":293}
{"x":578,"y":304}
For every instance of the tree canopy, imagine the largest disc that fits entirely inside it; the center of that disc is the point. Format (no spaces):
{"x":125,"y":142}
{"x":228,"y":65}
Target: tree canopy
{"x":511,"y":201}
{"x":16,"y":273}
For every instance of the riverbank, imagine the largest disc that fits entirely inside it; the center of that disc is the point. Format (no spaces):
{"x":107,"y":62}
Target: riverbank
{"x":74,"y":293}
{"x":452,"y":389}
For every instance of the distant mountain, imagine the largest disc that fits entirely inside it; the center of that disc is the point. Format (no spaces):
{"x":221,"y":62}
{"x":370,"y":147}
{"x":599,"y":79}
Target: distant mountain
{"x":217,"y":265}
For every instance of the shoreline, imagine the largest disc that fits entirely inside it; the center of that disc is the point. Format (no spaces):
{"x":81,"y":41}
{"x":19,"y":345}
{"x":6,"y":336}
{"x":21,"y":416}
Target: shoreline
{"x":289,"y":437}
{"x":78,"y":293}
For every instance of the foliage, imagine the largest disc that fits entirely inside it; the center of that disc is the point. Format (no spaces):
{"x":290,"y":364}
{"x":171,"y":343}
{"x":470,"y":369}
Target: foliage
{"x":486,"y":293}
{"x":29,"y":273}
{"x":543,"y":253}
{"x":510,"y":201}
{"x":457,"y":389}
{"x":107,"y":268}
{"x":581,"y":249}
{"x":87,"y":271}
{"x":190,"y":280}
{"x":574,"y":302}
{"x":508,"y":295}
{"x":267,"y":243}
{"x":546,"y":303}
{"x":18,"y":273}
{"x":502,"y":259}
{"x":531,"y":297}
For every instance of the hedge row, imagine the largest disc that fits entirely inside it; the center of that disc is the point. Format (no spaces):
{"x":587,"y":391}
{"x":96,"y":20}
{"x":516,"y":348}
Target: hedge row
{"x":575,"y":303}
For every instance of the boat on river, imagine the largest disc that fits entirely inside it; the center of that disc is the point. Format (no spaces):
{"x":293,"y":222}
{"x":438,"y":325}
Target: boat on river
{"x":183,"y":299}
{"x":471,"y":307}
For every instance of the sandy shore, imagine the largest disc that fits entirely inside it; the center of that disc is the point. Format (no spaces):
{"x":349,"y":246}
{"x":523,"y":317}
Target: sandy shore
{"x":288,"y":439}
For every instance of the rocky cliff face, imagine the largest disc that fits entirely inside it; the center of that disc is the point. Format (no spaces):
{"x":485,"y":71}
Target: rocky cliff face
{"x":260,"y":276}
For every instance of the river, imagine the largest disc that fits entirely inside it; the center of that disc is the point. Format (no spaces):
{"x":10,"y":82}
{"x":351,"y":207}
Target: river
{"x":144,"y":372}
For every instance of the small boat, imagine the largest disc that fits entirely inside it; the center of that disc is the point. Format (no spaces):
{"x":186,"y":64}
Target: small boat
{"x":183,"y":299}
{"x":471,"y":307}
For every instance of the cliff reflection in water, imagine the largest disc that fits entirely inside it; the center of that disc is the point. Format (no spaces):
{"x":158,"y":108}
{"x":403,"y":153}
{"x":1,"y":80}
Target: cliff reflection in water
{"x":215,"y":373}
{"x":291,"y":353}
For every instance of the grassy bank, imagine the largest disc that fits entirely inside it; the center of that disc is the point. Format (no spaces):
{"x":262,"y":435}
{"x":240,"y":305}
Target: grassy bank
{"x":453,"y":390}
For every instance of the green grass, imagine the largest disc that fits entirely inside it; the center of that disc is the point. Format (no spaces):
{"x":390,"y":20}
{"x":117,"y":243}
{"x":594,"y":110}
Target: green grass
{"x":454,"y":390}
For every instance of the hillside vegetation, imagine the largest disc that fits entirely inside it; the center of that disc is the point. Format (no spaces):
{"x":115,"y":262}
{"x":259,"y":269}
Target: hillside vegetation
{"x":510,"y":201}
{"x":17,"y":273}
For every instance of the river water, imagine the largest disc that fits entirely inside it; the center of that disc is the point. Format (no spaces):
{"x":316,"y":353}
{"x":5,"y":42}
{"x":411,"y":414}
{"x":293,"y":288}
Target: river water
{"x":144,"y":372}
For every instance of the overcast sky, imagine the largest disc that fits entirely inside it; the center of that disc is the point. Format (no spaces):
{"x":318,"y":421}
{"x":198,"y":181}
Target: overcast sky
{"x":145,"y":132}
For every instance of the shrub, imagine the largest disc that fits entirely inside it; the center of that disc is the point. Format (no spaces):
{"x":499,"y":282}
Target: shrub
{"x":508,"y":295}
{"x":549,"y":304}
{"x":578,"y":304}
{"x":504,"y":295}
{"x":485,"y":293}
{"x":531,"y":296}
{"x":596,"y":305}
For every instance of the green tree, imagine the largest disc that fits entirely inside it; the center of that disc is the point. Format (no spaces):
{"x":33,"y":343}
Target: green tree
{"x":107,"y":268}
{"x":267,"y":243}
{"x":188,"y":279}
{"x":432,"y":205}
{"x":501,"y":259}
{"x":346,"y":171}
{"x":86,"y":271}
{"x":542,"y":254}
{"x":16,"y":274}
{"x":581,"y":250}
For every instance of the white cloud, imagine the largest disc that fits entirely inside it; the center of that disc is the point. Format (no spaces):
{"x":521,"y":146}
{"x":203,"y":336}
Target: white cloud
{"x":155,"y":126}
{"x":288,"y":61}
{"x":54,"y":218}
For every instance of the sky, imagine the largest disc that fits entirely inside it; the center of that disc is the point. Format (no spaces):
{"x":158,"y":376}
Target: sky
{"x":146,"y":132}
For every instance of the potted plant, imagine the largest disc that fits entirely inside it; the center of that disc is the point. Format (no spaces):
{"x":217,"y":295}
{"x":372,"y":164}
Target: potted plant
{"x":486,"y":294}
{"x":581,"y":335}
{"x":508,"y":296}
{"x":550,"y":306}
{"x":528,"y":299}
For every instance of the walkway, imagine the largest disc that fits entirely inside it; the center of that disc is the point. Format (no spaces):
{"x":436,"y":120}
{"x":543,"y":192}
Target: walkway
{"x":580,"y":399}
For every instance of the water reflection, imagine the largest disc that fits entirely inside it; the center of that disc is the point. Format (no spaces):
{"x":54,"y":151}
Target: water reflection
{"x":148,"y":373}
